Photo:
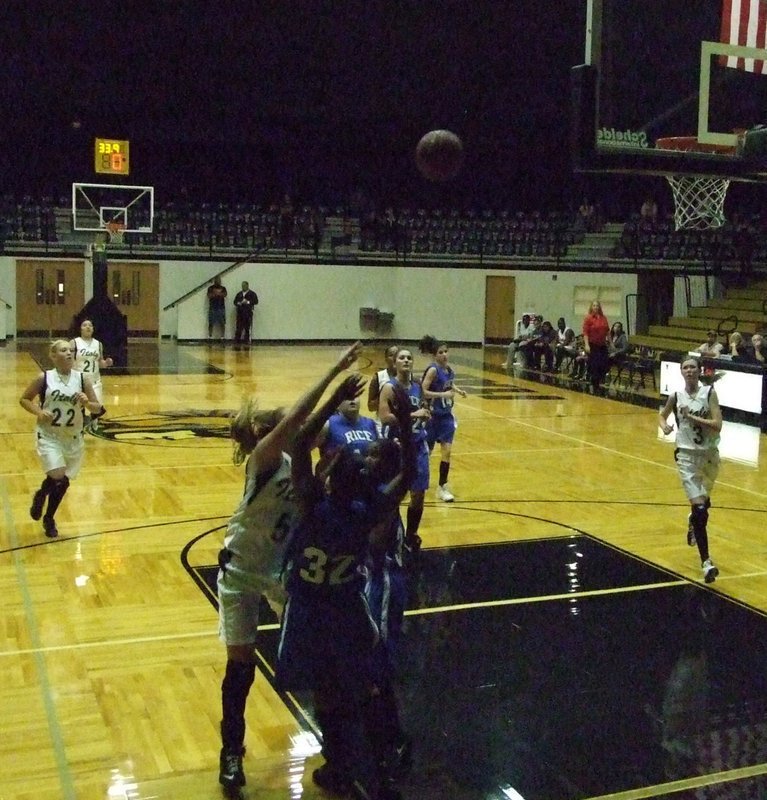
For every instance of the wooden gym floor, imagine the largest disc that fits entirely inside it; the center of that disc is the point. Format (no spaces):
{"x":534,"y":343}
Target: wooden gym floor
{"x":560,"y":644}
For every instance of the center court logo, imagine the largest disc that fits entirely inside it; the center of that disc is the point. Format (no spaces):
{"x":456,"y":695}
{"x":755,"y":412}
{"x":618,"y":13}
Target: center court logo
{"x":188,"y":427}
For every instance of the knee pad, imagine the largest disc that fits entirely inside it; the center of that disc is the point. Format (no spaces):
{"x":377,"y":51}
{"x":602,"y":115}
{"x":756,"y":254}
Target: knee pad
{"x":699,"y":517}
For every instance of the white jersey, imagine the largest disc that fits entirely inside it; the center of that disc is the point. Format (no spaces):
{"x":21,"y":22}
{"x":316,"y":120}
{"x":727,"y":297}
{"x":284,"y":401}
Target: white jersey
{"x":258,"y":529}
{"x":87,"y":357}
{"x":383,"y":377}
{"x":690,"y":436}
{"x":59,"y":396}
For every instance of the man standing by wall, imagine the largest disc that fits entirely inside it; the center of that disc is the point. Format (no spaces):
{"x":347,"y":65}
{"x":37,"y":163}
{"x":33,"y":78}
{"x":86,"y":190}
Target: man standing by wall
{"x":244,"y":301}
{"x":216,"y":306}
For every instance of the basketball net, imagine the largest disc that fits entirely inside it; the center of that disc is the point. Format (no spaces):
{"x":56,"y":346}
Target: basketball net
{"x":115,"y":232}
{"x":699,"y":201}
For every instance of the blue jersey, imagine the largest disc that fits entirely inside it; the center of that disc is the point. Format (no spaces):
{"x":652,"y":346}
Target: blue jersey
{"x":327,"y":550}
{"x":418,"y":425}
{"x":443,"y":382}
{"x":343,"y":433}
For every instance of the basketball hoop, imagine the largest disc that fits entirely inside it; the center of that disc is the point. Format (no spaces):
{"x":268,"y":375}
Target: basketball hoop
{"x":115,"y":231}
{"x":698,"y":199}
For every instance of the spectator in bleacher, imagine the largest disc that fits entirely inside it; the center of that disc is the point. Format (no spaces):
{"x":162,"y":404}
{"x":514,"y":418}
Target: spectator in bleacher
{"x":736,"y":347}
{"x":541,"y":349}
{"x":286,"y":220}
{"x":587,"y":215}
{"x":712,"y":347}
{"x":566,"y":345}
{"x":580,"y":367}
{"x":743,"y":240}
{"x":596,"y":330}
{"x":617,"y":343}
{"x":525,"y":347}
{"x":524,"y":331}
{"x":758,"y":350}
{"x":649,"y":212}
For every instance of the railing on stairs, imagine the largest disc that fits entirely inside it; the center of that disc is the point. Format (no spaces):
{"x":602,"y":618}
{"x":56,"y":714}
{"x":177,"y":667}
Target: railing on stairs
{"x":223,"y":271}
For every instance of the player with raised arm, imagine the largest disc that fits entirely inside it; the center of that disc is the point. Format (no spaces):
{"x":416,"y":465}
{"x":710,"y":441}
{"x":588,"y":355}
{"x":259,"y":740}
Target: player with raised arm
{"x":251,"y":560}
{"x":328,"y":635}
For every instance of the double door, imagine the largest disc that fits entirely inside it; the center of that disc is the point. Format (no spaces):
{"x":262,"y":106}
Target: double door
{"x":49,"y":293}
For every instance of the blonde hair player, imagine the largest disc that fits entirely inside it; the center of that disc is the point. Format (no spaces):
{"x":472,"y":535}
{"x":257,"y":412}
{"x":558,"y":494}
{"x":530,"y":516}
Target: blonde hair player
{"x":58,"y":397}
{"x":251,"y":560}
{"x":699,"y":423}
{"x":89,"y":359}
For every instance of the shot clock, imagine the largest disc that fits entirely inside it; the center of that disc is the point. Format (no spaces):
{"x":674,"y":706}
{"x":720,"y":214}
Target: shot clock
{"x":111,"y":156}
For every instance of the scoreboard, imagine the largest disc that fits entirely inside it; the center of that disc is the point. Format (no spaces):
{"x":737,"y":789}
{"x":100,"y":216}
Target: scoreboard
{"x":112,"y":156}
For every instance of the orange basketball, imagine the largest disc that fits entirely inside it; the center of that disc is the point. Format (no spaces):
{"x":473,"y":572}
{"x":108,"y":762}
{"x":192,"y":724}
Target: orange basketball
{"x":439,"y":155}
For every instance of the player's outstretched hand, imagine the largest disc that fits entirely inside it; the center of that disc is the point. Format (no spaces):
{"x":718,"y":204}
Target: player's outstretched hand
{"x":350,"y":387}
{"x":350,"y":355}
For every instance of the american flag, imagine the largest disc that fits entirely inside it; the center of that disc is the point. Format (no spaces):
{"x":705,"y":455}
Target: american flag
{"x":744,"y":23}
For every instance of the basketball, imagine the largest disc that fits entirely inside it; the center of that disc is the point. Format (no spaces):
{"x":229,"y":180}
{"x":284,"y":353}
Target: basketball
{"x":439,"y":155}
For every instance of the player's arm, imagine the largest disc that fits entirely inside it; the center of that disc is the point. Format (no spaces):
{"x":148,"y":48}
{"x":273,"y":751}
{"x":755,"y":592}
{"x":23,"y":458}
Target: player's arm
{"x":351,"y":387}
{"x":30,"y":400}
{"x":374,"y":390}
{"x":268,"y":452}
{"x":104,"y":362}
{"x":426,"y":383}
{"x":304,"y":482}
{"x":385,"y":414}
{"x":322,"y":436}
{"x":88,"y":399}
{"x":664,"y":413}
{"x":396,"y":489}
{"x":713,"y":421}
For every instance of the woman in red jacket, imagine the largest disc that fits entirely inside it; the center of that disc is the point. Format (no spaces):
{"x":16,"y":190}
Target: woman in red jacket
{"x":596,"y":330}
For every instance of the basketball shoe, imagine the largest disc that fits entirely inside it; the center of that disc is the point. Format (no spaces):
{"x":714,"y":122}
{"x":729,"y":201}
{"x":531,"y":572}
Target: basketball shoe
{"x":709,"y":571}
{"x":230,"y":773}
{"x":444,"y":494}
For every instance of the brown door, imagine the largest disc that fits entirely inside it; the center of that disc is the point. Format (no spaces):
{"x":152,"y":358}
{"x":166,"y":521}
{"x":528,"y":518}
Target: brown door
{"x":500,"y":316}
{"x":48,"y":295}
{"x":134,"y":288}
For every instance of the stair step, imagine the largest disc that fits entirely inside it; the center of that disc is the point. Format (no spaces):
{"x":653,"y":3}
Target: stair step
{"x":663,"y":342}
{"x":739,"y":303}
{"x":747,"y":320}
{"x":677,"y":332}
{"x":691,"y":323}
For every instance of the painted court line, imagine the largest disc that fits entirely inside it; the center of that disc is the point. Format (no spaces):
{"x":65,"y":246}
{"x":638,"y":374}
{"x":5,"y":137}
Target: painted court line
{"x":413,"y":612}
{"x":665,"y":789}
{"x":54,"y":728}
{"x":611,"y":450}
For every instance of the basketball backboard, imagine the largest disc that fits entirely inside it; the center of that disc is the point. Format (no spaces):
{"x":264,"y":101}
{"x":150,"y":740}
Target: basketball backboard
{"x":95,"y":205}
{"x":672,"y":69}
